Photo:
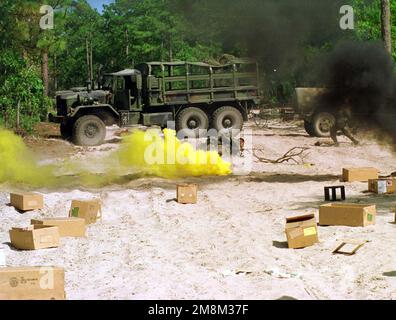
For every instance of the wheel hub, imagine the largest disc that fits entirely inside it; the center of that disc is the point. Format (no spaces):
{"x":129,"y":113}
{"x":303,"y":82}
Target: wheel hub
{"x":325,"y":125}
{"x":91,"y":130}
{"x":193,"y":123}
{"x":227,"y":123}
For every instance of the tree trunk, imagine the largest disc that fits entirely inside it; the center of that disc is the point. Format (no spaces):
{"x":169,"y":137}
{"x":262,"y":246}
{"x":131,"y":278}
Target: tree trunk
{"x":55,"y":73}
{"x":88,"y":61}
{"x":18,"y":115}
{"x":127,"y":45}
{"x":91,"y":78}
{"x":386,"y":24}
{"x":170,"y":50}
{"x":44,"y":71}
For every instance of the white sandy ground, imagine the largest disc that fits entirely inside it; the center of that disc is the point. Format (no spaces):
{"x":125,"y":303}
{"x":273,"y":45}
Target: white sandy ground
{"x":149,"y":248}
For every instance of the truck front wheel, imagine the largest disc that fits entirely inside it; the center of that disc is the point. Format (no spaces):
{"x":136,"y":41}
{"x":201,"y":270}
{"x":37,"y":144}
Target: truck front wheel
{"x":89,"y":130}
{"x":227,"y":118}
{"x":322,"y":123}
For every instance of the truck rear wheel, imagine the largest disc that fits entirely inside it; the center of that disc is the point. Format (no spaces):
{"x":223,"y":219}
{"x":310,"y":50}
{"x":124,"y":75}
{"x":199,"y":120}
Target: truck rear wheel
{"x":322,"y":123}
{"x":192,"y":118}
{"x":227,"y":118}
{"x":89,"y":131}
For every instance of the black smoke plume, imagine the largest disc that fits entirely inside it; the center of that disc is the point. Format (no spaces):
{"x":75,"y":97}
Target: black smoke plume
{"x":282,"y":35}
{"x":362,"y":73}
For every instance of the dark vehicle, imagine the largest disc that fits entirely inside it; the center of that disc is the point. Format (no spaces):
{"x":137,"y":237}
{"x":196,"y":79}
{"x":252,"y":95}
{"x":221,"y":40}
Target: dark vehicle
{"x":194,"y":95}
{"x":317,"y":119}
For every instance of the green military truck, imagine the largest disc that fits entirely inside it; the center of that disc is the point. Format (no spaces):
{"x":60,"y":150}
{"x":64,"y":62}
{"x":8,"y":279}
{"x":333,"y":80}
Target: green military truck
{"x":194,"y":95}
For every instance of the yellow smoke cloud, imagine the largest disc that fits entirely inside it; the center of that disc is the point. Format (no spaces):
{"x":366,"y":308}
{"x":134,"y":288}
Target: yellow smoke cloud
{"x":143,"y":153}
{"x":169,"y":157}
{"x":17,"y":164}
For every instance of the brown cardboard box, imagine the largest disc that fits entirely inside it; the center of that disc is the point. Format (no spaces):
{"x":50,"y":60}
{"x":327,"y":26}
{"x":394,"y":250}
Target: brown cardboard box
{"x":34,"y":237}
{"x":89,"y":210}
{"x":68,"y":227}
{"x":27,"y":201}
{"x":301,"y":231}
{"x":382,"y":186}
{"x":187,"y":193}
{"x":347,"y":214}
{"x":32,"y":283}
{"x":359,"y":174}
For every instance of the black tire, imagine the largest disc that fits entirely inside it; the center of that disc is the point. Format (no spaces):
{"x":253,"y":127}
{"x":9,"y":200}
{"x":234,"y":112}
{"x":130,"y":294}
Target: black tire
{"x":192,"y":118}
{"x":66,"y":130}
{"x":309,"y":128}
{"x":321,"y":124}
{"x":89,"y":131}
{"x":227,"y":118}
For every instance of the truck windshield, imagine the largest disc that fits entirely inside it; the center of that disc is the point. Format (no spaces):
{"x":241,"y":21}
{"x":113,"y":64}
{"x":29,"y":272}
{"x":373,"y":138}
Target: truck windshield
{"x":107,"y":83}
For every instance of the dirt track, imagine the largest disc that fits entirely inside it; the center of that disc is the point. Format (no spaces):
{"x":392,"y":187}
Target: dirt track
{"x":231,"y":245}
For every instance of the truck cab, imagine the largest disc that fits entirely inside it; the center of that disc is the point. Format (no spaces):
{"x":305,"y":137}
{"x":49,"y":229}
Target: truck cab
{"x":125,"y":88}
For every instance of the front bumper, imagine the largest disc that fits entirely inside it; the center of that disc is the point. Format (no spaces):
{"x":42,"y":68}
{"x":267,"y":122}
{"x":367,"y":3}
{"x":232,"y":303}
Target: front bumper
{"x":55,"y":119}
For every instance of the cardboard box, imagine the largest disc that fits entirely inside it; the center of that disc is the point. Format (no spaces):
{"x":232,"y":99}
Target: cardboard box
{"x":187,"y":193}
{"x":32,"y":283}
{"x":382,"y":186}
{"x":359,"y":174}
{"x":68,"y":227}
{"x":301,"y":231}
{"x":89,"y":210}
{"x":27,"y":201}
{"x":347,"y":214}
{"x":35,"y":237}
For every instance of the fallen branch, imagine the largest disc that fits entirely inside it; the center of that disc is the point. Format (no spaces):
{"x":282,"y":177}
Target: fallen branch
{"x":291,"y":155}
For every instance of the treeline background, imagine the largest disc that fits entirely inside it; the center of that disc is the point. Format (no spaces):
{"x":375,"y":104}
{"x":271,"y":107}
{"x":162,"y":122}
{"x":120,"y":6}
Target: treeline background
{"x":289,"y":38}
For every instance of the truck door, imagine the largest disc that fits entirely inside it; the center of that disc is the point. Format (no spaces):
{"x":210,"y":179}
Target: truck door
{"x":121,"y":95}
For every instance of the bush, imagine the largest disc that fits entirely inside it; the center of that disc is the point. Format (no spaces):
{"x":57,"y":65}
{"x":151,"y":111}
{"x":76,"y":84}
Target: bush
{"x":22,"y":102}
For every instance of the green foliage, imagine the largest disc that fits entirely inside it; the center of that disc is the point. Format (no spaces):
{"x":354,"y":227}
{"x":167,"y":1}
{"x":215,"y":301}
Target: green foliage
{"x":21,"y":93}
{"x":137,"y":31}
{"x":368,"y":26}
